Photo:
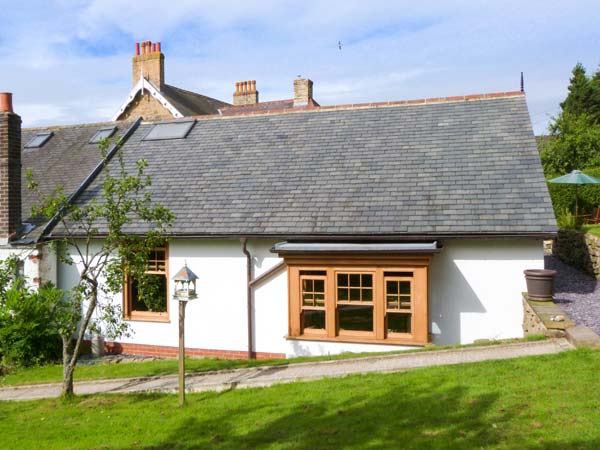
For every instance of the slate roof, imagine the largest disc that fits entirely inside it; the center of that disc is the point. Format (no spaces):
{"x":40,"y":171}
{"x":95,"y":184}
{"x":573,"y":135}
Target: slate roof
{"x":264,"y":107}
{"x":190,"y":103}
{"x":443,"y":167}
{"x":64,"y":160}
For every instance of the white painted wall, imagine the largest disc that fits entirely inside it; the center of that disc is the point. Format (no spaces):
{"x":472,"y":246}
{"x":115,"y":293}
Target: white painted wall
{"x":475,"y":289}
{"x":474,"y":293}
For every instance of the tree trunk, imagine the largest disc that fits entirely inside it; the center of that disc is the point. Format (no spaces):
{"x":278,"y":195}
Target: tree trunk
{"x":67,"y":384}
{"x":70,"y":357}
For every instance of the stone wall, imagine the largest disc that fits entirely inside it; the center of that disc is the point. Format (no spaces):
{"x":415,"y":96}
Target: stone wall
{"x":146,"y":106}
{"x":579,"y":250}
{"x":544,"y":318}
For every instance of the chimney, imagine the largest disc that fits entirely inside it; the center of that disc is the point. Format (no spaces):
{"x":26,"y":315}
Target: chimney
{"x":303,"y":91}
{"x":149,"y":59}
{"x":245,"y":93}
{"x":10,"y":169}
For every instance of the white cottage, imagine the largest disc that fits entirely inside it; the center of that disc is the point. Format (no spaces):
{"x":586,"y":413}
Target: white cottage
{"x":322,"y":230}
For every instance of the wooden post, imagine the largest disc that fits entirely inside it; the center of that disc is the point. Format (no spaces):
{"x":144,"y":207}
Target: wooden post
{"x":181,"y":353}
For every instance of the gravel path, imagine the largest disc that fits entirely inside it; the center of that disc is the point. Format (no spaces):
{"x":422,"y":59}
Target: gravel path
{"x":577,"y":293}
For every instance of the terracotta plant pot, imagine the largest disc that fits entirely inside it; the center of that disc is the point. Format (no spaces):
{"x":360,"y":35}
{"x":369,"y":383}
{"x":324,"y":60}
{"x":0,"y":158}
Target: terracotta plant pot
{"x":540,"y":284}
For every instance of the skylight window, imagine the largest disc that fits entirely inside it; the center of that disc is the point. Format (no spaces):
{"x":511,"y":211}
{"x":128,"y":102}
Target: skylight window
{"x":39,"y":139}
{"x":170,"y":130}
{"x":102,"y":133}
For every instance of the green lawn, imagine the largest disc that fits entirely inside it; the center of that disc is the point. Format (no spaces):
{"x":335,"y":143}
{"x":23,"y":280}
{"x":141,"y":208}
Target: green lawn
{"x":591,"y":229}
{"x":52,"y":373}
{"x":544,"y":402}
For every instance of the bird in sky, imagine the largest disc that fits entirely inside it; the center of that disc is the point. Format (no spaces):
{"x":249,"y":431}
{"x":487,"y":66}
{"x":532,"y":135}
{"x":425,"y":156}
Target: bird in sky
{"x":340,"y":45}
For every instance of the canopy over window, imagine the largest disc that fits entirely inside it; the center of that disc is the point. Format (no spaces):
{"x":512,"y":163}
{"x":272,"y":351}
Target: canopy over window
{"x":340,"y":247}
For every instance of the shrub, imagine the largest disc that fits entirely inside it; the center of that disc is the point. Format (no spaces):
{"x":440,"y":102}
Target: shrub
{"x":28,"y":335}
{"x":567,"y":221}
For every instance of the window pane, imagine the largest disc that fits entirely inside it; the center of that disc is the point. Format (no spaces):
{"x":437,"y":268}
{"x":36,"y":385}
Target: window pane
{"x":392,"y":302}
{"x":355,"y":317}
{"x":397,"y":274}
{"x":170,"y":130}
{"x":367,"y":280}
{"x":355,"y":295}
{"x":391,"y":287}
{"x":39,"y":139}
{"x":342,"y":294}
{"x":355,"y":280}
{"x":367,"y":295}
{"x":156,"y":298}
{"x":102,"y":133}
{"x":307,"y":285}
{"x":405,"y":287}
{"x":398,"y":323}
{"x":319,"y":285}
{"x":307,"y":299}
{"x":313,"y":320}
{"x":342,"y":279}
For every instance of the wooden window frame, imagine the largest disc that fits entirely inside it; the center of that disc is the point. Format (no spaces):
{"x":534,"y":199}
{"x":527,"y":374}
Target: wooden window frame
{"x":303,"y":307}
{"x":378,"y":265}
{"x":147,"y":316}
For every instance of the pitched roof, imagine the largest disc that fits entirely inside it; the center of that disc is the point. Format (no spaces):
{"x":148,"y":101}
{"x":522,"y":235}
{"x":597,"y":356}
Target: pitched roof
{"x":263,"y":107}
{"x":189,"y":103}
{"x":436,"y":167}
{"x":66,"y":159}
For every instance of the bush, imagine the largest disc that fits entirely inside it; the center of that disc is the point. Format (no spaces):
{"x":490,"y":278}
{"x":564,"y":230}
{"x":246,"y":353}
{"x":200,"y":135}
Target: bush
{"x":563,"y":195}
{"x":567,"y":221}
{"x":28,"y":335}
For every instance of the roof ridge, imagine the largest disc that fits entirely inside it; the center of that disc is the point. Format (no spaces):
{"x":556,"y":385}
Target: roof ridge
{"x":76,"y":125}
{"x":353,"y":106}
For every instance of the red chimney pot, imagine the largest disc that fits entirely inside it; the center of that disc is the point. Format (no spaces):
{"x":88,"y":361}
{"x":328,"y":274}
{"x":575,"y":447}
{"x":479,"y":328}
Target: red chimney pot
{"x":158,"y":47}
{"x":153,"y":48}
{"x":137,"y":49}
{"x":6,"y":102}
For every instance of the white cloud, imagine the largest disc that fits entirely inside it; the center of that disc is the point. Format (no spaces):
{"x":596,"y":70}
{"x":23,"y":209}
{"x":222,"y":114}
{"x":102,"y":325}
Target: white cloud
{"x":75,"y":55}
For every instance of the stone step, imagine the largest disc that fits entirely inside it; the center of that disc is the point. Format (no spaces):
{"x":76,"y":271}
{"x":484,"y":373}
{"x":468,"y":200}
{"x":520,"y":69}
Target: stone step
{"x":581,"y":336}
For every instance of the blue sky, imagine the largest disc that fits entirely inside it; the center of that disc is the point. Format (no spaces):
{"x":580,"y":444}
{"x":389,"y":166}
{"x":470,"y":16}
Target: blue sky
{"x":70,"y":61}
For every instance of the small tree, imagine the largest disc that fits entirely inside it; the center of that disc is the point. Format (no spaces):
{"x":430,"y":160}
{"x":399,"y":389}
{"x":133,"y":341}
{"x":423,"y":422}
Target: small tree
{"x":92,"y":236}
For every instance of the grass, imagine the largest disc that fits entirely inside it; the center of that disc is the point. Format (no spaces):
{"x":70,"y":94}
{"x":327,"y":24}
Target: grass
{"x":542,"y":402}
{"x":591,"y":229}
{"x":52,"y":373}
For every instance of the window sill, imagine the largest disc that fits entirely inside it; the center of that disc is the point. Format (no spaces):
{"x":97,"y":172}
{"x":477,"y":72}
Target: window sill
{"x":147,"y":318}
{"x":358,"y":340}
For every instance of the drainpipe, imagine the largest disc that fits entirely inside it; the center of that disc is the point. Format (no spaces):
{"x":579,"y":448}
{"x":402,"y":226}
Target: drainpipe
{"x":244,"y":241}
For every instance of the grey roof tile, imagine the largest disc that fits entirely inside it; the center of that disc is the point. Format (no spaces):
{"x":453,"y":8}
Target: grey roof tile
{"x":369,"y":171}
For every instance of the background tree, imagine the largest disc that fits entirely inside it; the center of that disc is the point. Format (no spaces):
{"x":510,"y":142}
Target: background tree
{"x":575,"y":132}
{"x":92,"y":236}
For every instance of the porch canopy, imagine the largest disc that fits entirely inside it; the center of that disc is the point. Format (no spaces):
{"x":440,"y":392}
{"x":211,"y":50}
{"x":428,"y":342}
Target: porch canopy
{"x":283,"y":248}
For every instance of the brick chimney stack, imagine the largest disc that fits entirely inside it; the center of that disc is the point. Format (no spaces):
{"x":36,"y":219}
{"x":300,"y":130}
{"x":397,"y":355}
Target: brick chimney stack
{"x":303,"y":91}
{"x":245,"y":93}
{"x":149,"y":60}
{"x":10,"y":169}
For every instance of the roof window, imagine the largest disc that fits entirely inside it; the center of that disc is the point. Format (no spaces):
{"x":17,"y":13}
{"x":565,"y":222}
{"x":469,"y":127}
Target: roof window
{"x":103,"y":133}
{"x":39,"y":139}
{"x":170,"y":130}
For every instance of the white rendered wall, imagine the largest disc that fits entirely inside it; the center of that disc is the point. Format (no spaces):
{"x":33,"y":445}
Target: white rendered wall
{"x":475,"y":289}
{"x":474,"y":293}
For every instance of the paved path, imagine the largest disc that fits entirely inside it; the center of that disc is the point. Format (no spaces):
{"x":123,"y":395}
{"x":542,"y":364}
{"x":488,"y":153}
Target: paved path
{"x":267,"y":376}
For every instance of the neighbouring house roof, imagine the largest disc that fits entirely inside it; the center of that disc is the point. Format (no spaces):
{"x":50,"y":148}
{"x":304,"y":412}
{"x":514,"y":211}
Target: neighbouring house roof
{"x":179,"y":102}
{"x":437,"y":167}
{"x":263,"y":107}
{"x":66,"y":159}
